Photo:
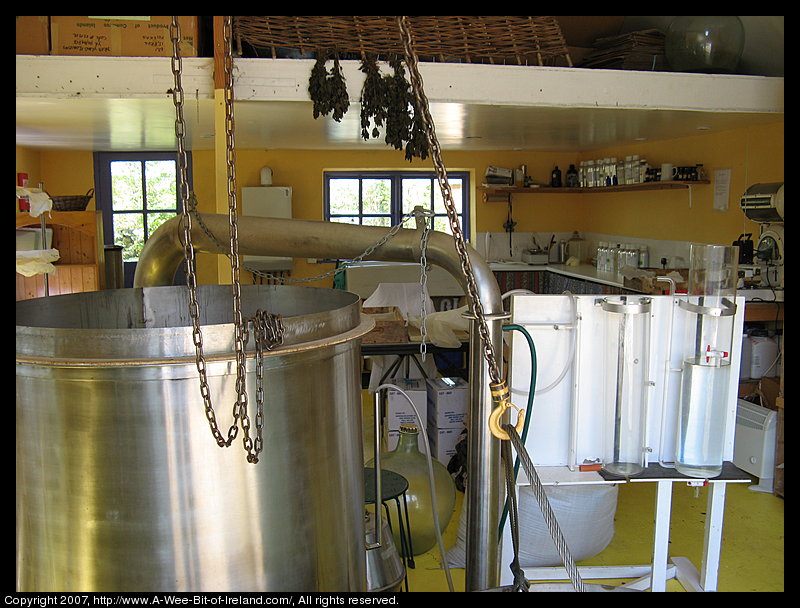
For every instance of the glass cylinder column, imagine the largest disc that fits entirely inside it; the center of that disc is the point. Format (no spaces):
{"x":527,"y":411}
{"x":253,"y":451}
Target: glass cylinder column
{"x":708,"y":338}
{"x":628,"y":344}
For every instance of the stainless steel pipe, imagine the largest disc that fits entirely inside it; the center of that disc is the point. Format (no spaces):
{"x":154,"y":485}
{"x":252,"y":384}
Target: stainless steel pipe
{"x":163,"y":253}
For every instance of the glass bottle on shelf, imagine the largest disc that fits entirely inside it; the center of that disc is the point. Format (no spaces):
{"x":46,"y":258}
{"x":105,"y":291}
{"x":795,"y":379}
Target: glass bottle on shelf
{"x":600,"y":258}
{"x":590,"y":174}
{"x":408,"y":461}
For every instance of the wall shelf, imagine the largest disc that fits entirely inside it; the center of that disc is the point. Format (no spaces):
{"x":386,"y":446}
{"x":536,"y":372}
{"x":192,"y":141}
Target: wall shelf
{"x":497,"y":191}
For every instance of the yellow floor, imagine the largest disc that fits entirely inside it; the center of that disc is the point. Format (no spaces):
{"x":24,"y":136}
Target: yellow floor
{"x":752,"y":544}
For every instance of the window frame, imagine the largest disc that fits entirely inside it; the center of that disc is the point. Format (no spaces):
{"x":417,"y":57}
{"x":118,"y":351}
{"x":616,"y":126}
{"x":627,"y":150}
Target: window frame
{"x":396,"y":177}
{"x":103,"y":194}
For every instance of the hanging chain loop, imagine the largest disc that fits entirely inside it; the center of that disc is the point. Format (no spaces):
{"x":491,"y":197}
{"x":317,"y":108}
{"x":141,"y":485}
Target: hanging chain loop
{"x":268,"y":329}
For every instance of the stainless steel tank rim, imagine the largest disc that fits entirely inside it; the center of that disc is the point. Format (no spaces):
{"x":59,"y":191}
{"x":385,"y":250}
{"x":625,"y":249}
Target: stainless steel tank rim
{"x":364,"y":327}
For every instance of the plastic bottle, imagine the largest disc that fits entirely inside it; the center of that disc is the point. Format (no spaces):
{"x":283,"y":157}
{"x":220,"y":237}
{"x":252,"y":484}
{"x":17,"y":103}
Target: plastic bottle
{"x":619,"y":258}
{"x":600,"y":257}
{"x":408,"y":461}
{"x":644,"y":257}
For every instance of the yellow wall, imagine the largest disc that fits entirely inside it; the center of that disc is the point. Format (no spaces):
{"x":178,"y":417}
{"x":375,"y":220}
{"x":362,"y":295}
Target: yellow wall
{"x":753,"y":154}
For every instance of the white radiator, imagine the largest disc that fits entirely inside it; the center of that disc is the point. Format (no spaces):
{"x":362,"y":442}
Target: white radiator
{"x":754,"y":445}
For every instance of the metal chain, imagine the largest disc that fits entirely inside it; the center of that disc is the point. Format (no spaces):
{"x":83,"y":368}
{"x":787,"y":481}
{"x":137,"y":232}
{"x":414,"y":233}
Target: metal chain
{"x":447,"y":196}
{"x":423,"y":282}
{"x":240,"y":406}
{"x":268,"y":331}
{"x":188,"y":249}
{"x":356,"y":260}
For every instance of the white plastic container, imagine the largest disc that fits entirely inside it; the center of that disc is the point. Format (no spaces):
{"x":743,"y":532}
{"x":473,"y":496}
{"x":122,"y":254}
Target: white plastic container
{"x":764,"y":351}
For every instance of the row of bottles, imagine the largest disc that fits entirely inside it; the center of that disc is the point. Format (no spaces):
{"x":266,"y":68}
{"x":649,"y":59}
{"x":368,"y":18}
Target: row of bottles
{"x":613,"y":258}
{"x":611,"y":172}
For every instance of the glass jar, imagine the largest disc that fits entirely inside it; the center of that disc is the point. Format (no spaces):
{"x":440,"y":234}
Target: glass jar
{"x":408,"y":461}
{"x":710,"y":45}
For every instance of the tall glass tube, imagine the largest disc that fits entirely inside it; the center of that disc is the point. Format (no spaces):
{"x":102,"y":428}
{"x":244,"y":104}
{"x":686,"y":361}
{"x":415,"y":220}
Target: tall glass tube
{"x":628,"y":340}
{"x":705,"y":383}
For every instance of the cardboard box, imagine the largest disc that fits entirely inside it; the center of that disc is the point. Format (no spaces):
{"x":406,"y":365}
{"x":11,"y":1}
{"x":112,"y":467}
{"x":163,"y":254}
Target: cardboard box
{"x":121,"y":36}
{"x":443,"y":442}
{"x":399,"y":410}
{"x":33,"y":35}
{"x":448,"y":402}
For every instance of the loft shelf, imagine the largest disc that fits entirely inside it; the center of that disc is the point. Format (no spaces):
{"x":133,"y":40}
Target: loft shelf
{"x":646,"y":186}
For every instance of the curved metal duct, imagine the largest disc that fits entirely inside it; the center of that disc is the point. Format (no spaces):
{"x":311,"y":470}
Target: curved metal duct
{"x":163,"y":253}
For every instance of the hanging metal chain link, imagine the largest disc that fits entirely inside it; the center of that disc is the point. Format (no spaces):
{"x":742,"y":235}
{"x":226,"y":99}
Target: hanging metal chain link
{"x":267,"y":328}
{"x":356,"y":260}
{"x":423,"y":216}
{"x":240,"y":407}
{"x":447,"y":196}
{"x":188,"y":249}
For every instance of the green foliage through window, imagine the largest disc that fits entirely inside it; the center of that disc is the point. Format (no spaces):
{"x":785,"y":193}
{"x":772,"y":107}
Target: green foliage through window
{"x":372,"y":198}
{"x":143,"y":196}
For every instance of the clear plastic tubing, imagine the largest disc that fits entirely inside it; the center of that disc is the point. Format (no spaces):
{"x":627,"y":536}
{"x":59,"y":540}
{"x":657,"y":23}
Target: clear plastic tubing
{"x":708,"y":339}
{"x":628,"y":340}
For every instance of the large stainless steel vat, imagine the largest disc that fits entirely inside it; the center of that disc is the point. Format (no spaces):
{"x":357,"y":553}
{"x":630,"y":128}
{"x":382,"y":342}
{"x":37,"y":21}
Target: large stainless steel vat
{"x":120,"y":484}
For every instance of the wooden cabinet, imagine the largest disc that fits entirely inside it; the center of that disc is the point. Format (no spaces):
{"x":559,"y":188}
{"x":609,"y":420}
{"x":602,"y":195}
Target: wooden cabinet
{"x":78,"y":236}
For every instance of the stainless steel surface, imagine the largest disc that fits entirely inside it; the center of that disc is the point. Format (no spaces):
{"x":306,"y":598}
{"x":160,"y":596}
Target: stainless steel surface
{"x":385,"y":570}
{"x":163,"y":253}
{"x":484,"y":492}
{"x":120,"y":485}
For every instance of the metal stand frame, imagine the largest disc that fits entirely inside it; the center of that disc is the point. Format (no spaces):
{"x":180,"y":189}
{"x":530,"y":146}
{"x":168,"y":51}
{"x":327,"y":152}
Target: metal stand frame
{"x":654,"y":577}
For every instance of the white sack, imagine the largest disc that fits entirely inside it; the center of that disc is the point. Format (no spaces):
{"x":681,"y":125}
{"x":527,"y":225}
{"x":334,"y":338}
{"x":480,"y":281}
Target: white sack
{"x":585,"y":514}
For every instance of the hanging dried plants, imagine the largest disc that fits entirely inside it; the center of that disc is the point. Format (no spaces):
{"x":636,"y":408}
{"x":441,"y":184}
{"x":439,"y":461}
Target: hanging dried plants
{"x":386,"y":101}
{"x":373,"y":98}
{"x":328,"y":90}
{"x":398,"y":102}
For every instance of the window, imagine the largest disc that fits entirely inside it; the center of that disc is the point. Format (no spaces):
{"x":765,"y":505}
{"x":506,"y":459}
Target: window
{"x":375,"y":198}
{"x":137,"y":192}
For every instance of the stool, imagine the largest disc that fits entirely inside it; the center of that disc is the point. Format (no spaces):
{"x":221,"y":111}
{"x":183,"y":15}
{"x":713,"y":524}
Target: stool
{"x":393,"y":487}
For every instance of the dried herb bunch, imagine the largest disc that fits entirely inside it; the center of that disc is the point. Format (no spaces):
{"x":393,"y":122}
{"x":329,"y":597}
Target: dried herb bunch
{"x":328,"y":91}
{"x":373,"y":98}
{"x":398,"y":102}
{"x":386,"y":100}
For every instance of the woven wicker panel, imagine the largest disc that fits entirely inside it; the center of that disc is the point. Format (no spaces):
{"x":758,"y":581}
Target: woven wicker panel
{"x":493,"y":39}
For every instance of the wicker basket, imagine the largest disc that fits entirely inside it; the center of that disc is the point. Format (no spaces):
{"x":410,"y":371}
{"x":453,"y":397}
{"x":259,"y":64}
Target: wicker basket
{"x":72,"y":203}
{"x":493,"y":39}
